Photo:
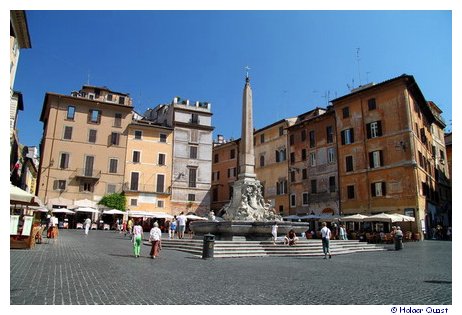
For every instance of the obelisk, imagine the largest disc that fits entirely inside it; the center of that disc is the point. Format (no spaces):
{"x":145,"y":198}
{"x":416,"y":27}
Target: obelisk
{"x":247,"y":203}
{"x":246,"y":150}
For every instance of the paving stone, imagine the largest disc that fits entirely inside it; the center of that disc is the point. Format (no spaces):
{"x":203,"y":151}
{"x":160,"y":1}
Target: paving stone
{"x":100,"y":269}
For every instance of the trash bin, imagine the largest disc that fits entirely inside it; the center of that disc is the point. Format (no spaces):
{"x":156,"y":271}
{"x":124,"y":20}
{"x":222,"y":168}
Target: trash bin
{"x":209,"y":244}
{"x":398,"y":242}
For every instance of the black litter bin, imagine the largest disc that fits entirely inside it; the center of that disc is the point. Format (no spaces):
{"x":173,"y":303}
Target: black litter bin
{"x":209,"y":244}
{"x":398,"y":242}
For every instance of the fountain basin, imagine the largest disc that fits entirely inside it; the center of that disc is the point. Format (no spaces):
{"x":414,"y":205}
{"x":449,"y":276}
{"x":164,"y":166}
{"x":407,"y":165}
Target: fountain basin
{"x":250,"y":230}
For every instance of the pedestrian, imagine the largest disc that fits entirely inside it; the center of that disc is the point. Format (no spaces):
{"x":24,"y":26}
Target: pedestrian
{"x":325,"y":235}
{"x":291,"y":238}
{"x":137,"y":238}
{"x":172,"y":229}
{"x":274,"y":232}
{"x":343,"y":233}
{"x":449,"y":234}
{"x":129,"y":227}
{"x":87,"y":225}
{"x":181,"y":224}
{"x":398,"y":238}
{"x":155,"y":236}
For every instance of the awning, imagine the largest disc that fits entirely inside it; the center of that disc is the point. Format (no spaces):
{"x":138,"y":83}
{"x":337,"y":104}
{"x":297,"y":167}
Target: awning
{"x":63,"y":210}
{"x":86,"y":209}
{"x":113,"y":211}
{"x":292,"y":217}
{"x":148,"y":214}
{"x":19,"y":196}
{"x":60,"y":201}
{"x":354,"y":218}
{"x":383,"y":217}
{"x":85,"y":203}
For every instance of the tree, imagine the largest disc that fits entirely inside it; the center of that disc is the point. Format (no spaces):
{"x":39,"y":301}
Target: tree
{"x":114,"y":201}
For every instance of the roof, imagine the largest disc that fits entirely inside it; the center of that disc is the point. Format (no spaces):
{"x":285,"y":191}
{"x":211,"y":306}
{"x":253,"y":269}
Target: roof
{"x":104,"y":88}
{"x":19,"y":28}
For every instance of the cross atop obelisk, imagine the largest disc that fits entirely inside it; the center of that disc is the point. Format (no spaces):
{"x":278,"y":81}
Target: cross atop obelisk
{"x":247,"y":155}
{"x":247,"y":68}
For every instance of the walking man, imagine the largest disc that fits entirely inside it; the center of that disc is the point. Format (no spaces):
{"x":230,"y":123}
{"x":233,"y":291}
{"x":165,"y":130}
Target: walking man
{"x":325,"y":234}
{"x":181,"y":224}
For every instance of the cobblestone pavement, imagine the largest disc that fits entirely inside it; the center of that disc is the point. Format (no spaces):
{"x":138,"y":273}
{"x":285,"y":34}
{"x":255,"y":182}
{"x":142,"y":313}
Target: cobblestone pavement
{"x":101,"y":269}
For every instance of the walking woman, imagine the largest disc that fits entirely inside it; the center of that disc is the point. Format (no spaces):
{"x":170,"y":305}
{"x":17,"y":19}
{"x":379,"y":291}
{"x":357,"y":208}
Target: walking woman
{"x":137,"y":238}
{"x":154,"y":237}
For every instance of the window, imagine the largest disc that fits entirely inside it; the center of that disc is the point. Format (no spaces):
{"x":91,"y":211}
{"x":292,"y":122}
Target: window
{"x":314,"y":186}
{"x":111,"y":188}
{"x":312,"y":139}
{"x":375,"y":159}
{"x":330,"y":134}
{"x":332,"y":184}
{"x":218,"y":175}
{"x":292,"y":201}
{"x":59,"y":184}
{"x":346,"y":112}
{"x":292,"y":176}
{"x":215,"y":158}
{"x":232,"y":154}
{"x":89,"y":162}
{"x":347,"y":136}
{"x":192,"y":152}
{"x":281,"y":187}
{"x":192,"y":177}
{"x":92,"y":136}
{"x":349,"y":163}
{"x":231,"y":172}
{"x":304,"y":173}
{"x":374,"y":129}
{"x":230,"y":192}
{"x":161,"y":159}
{"x":160,"y":203}
{"x":67,"y":133}
{"x":70,"y":112}
{"x":64,"y":161}
{"x":191,"y":197}
{"x":292,"y":157}
{"x":215,"y":194}
{"x":312,"y":159}
{"x":303,"y":154}
{"x":122,"y":100}
{"x":113,"y":165}
{"x":136,"y":156}
{"x":117,"y":120}
{"x":160,"y":183}
{"x":262,"y":160}
{"x":304,"y":199}
{"x":194,"y":118}
{"x":115,"y":137}
{"x":87,"y":187}
{"x":133,"y":202}
{"x":94,"y":116}
{"x":163,"y":138}
{"x":350,"y":191}
{"x":330,"y":155}
{"x":292,"y":139}
{"x":378,"y":189}
{"x":280,"y":155}
{"x":281,"y":131}
{"x":138,"y":134}
{"x":134,"y":181}
{"x":194,"y":136}
{"x":109,"y":97}
{"x":303,"y":135}
{"x":371,"y":104}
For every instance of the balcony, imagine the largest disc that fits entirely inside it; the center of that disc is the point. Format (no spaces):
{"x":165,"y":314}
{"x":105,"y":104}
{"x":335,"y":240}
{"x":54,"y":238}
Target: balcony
{"x":88,"y":174}
{"x":128,"y":187}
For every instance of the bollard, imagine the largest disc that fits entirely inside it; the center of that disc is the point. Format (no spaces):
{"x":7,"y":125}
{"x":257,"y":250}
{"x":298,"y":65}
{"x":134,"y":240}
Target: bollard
{"x":209,"y":244}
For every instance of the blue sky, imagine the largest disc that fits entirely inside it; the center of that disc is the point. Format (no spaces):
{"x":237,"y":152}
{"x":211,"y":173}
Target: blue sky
{"x":298,"y":59}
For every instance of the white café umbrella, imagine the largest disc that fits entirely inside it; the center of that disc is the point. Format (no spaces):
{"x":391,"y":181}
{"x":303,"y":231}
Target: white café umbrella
{"x":404,"y":218}
{"x":86,"y":209}
{"x":19,"y":196}
{"x":291,"y":217}
{"x":383,"y":217}
{"x":354,"y":218}
{"x":113,"y":211}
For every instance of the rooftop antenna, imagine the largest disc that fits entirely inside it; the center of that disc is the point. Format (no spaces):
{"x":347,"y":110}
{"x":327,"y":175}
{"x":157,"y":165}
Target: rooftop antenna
{"x":88,"y":77}
{"x":357,"y":60}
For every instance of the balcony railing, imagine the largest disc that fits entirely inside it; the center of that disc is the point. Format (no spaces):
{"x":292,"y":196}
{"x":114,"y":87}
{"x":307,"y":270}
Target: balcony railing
{"x":88,"y":173}
{"x":128,"y":187}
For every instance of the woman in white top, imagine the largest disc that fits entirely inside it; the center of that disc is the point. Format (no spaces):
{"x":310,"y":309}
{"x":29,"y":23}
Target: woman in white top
{"x":274,"y":232}
{"x":154,"y":237}
{"x":325,"y":234}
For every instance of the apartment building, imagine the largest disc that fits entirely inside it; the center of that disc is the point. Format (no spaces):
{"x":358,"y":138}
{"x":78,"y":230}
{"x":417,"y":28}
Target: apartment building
{"x":84,"y":143}
{"x":225,"y":161}
{"x":271,"y":163}
{"x":148,"y":166}
{"x":313,"y":168}
{"x":384,"y":149}
{"x":192,"y":152}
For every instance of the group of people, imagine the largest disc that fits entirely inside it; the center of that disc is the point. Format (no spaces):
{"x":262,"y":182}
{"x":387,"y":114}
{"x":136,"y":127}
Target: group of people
{"x":177,"y":225}
{"x":291,"y":238}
